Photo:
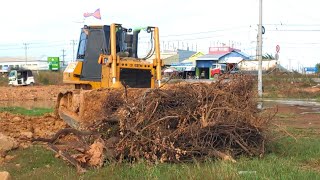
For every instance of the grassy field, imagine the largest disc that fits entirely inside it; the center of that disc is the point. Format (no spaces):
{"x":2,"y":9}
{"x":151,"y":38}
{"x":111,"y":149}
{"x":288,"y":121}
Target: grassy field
{"x":286,"y":159}
{"x":289,"y":86}
{"x":27,"y":112}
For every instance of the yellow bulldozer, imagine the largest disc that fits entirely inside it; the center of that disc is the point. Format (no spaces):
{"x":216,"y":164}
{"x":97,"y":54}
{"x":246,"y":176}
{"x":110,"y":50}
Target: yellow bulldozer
{"x":107,"y":58}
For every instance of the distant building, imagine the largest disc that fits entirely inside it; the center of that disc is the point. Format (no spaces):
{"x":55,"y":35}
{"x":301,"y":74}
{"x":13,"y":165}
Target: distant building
{"x":172,"y":57}
{"x":222,"y":50}
{"x":218,"y":55}
{"x":252,"y":65}
{"x":7,"y":63}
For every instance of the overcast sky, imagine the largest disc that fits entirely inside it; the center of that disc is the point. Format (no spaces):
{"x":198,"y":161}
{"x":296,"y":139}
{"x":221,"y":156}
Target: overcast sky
{"x":49,"y":26}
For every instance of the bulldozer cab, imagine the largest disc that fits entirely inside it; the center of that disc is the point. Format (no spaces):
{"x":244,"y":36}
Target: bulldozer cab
{"x":95,"y":40}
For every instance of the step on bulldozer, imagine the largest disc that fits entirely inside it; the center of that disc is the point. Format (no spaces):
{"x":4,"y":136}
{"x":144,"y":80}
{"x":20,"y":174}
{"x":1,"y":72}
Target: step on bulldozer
{"x":107,"y":58}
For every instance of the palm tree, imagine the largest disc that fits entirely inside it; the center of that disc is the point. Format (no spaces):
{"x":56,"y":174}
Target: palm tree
{"x":268,"y":56}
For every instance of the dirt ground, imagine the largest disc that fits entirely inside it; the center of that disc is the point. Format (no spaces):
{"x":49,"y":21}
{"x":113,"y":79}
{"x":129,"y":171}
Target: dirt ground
{"x":31,"y":92}
{"x":24,"y":128}
{"x":297,"y":116}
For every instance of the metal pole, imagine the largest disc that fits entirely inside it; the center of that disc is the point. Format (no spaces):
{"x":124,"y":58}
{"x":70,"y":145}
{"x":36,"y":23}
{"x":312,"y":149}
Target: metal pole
{"x":63,"y":55}
{"x":260,"y":51}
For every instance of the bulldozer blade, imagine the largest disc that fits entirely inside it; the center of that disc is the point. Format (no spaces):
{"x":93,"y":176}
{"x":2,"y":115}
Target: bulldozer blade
{"x":70,"y":119}
{"x":64,"y":112}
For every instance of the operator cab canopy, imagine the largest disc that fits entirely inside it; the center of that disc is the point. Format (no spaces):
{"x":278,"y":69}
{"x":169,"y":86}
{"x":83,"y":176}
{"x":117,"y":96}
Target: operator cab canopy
{"x":95,"y":40}
{"x":126,"y":40}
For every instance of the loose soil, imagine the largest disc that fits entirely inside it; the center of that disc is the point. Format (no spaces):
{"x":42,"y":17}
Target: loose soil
{"x":23,"y":128}
{"x":32,"y":92}
{"x":297,"y":116}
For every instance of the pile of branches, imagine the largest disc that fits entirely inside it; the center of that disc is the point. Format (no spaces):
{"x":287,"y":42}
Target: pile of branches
{"x":183,"y":122}
{"x":178,"y":123}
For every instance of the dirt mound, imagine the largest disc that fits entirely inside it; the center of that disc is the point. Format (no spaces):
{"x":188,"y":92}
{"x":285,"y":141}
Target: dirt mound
{"x":24,"y":128}
{"x":31,"y":92}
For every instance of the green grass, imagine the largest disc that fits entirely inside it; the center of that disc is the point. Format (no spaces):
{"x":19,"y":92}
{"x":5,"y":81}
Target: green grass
{"x":286,"y":158}
{"x":38,"y":163}
{"x":285,"y":115}
{"x":27,"y":112}
{"x":289,"y":86}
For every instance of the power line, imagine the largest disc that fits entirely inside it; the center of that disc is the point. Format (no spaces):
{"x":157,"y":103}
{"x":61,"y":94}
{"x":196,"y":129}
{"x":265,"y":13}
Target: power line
{"x":205,"y":32}
{"x":10,"y":49}
{"x":297,"y":30}
{"x":195,"y":38}
{"x":301,"y":25}
{"x":31,"y":43}
{"x":30,"y":46}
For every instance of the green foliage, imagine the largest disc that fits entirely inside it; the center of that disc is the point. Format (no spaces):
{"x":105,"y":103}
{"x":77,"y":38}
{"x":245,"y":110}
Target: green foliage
{"x":268,"y":56}
{"x":28,"y":112}
{"x":48,"y":77}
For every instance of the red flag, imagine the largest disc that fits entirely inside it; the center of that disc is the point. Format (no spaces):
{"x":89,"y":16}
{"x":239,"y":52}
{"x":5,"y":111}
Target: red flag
{"x":96,"y":14}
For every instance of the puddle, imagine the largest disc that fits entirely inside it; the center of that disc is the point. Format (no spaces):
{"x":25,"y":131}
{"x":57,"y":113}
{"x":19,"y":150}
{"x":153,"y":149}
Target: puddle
{"x":293,"y":102}
{"x":309,"y":106}
{"x":28,"y":104}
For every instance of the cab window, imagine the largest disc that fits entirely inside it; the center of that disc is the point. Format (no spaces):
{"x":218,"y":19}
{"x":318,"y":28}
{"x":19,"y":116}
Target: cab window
{"x":12,"y":74}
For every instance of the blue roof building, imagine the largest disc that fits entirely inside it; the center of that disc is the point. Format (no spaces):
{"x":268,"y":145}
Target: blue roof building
{"x":204,"y":63}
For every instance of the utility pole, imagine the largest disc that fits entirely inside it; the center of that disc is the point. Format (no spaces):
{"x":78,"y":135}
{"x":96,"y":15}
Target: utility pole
{"x":73,"y":43}
{"x":25,"y":52}
{"x":260,"y":51}
{"x":290,"y":69}
{"x":63,"y":55}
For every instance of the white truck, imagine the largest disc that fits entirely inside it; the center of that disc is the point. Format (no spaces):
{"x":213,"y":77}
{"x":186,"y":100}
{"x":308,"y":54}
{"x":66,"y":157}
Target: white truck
{"x":21,"y":78}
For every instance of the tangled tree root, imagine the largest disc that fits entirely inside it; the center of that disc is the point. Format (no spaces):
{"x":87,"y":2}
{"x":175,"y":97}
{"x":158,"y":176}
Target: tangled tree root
{"x":183,"y":122}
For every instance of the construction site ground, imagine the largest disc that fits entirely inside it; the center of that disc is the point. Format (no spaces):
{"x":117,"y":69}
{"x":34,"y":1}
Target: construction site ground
{"x":293,"y":148}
